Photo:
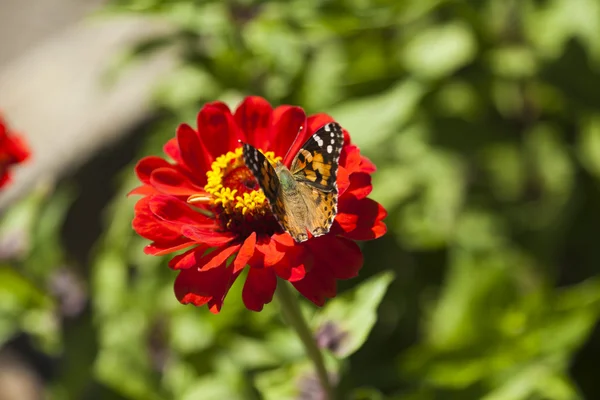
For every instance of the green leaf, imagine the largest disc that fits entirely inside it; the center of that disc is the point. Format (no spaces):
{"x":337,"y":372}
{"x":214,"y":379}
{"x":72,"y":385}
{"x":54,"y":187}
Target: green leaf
{"x":455,"y":320}
{"x":429,"y":220}
{"x":354,"y":313}
{"x":513,"y":62}
{"x":480,"y":230}
{"x":367,"y":394}
{"x":211,"y":388}
{"x":459,"y":99}
{"x":537,"y":379}
{"x":17,"y":296}
{"x":47,"y":253}
{"x":392,"y":184}
{"x":109,"y":284}
{"x":124,"y":352}
{"x":554,"y":172}
{"x":322,"y":85}
{"x":391,"y":108}
{"x":282,"y":383}
{"x":17,"y":226}
{"x":568,"y":19}
{"x":589,"y":144}
{"x":506,"y":170}
{"x":185,"y":86}
{"x":253,"y":353}
{"x":185,"y":325}
{"x":439,"y":51}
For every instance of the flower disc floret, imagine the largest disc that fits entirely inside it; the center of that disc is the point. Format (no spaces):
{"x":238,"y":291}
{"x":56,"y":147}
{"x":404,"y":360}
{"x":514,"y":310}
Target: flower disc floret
{"x":234,"y":194}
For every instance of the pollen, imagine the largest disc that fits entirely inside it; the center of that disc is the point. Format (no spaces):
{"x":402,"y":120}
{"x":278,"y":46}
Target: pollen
{"x":234,"y":193}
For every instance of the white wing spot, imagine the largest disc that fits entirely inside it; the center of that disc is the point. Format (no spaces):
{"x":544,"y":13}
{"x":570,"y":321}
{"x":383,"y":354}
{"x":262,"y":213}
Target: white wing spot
{"x":256,"y":156}
{"x":332,"y":141}
{"x":327,"y":127}
{"x":318,"y":140}
{"x":329,"y":149}
{"x":332,"y":134}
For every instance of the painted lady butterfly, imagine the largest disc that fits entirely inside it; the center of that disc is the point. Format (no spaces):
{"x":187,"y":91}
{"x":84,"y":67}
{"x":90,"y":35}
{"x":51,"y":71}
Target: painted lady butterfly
{"x":304,"y":197}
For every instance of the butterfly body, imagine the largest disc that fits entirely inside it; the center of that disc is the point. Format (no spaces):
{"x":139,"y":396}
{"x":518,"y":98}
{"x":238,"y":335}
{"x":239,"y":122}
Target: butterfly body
{"x":303,"y":198}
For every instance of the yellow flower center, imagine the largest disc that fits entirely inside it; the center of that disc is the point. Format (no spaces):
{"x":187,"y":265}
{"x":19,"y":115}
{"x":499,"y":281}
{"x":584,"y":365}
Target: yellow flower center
{"x":235,"y":196}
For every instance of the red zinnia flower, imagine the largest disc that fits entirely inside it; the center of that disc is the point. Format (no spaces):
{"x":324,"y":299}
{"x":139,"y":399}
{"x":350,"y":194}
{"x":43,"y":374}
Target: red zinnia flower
{"x":13,"y":150}
{"x":208,"y":201}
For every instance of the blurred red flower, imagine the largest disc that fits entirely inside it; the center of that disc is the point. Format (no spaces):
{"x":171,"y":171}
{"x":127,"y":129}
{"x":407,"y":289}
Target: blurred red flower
{"x":208,"y":202}
{"x":13,"y":150}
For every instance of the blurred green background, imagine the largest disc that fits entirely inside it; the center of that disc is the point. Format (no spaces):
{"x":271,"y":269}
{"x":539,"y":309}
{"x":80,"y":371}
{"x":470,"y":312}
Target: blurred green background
{"x":482,"y":117}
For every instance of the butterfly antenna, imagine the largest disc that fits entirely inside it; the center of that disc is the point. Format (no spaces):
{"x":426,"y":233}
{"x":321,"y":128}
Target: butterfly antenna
{"x":293,"y":143}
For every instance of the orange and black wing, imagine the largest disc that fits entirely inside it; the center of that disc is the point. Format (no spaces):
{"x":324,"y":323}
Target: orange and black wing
{"x":263,"y":171}
{"x":316,"y":163}
{"x":267,"y":179}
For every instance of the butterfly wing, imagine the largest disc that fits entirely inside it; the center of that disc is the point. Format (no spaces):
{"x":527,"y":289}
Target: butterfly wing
{"x":316,"y":163}
{"x":315,"y":169}
{"x":270,"y":184}
{"x":264,"y":173}
{"x":322,"y":208}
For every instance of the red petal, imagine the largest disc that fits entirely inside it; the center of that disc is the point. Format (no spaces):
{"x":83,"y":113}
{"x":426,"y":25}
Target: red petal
{"x":176,"y":211}
{"x":347,"y":221}
{"x":346,"y":137}
{"x":201,"y":287}
{"x":353,"y":161}
{"x":341,"y":256}
{"x":147,"y":165}
{"x":366,"y":165}
{"x":219,"y":105}
{"x":317,"y":285}
{"x":350,"y":158}
{"x":293,"y":266}
{"x":245,"y":253}
{"x":218,"y":257}
{"x":143,"y":190}
{"x":5,"y":179}
{"x":332,"y":259}
{"x":287,"y":122}
{"x":360,"y":185}
{"x":342,"y":180}
{"x":214,"y":306}
{"x":147,"y":225}
{"x":193,"y":152}
{"x":162,"y":248}
{"x":207,"y":236}
{"x":271,"y":250}
{"x":284,"y":239}
{"x":171,"y":181}
{"x":316,"y":121}
{"x":361,"y":219}
{"x":18,"y":149}
{"x":253,"y":116}
{"x":190,"y":258}
{"x":259,"y":288}
{"x":218,"y":130}
{"x":171,"y":148}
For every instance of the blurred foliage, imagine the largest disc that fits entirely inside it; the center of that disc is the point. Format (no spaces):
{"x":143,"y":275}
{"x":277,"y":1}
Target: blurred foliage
{"x":482,"y":117}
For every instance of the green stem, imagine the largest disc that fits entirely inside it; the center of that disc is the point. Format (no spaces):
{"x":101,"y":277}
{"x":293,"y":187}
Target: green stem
{"x":293,"y":315}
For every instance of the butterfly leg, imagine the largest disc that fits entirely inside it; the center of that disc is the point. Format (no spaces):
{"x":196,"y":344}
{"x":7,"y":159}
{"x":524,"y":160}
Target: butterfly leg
{"x":298,"y":235}
{"x":319,"y":231}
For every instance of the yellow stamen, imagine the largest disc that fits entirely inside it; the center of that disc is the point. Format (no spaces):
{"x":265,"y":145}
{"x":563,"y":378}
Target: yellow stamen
{"x":228,"y":185}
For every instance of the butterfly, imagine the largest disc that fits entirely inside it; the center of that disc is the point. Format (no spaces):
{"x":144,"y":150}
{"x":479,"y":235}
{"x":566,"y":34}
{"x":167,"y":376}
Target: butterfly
{"x":303,"y":198}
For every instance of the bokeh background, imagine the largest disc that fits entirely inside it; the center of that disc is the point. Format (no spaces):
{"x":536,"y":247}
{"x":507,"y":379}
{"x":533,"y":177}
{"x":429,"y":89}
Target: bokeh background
{"x":482,"y":117}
